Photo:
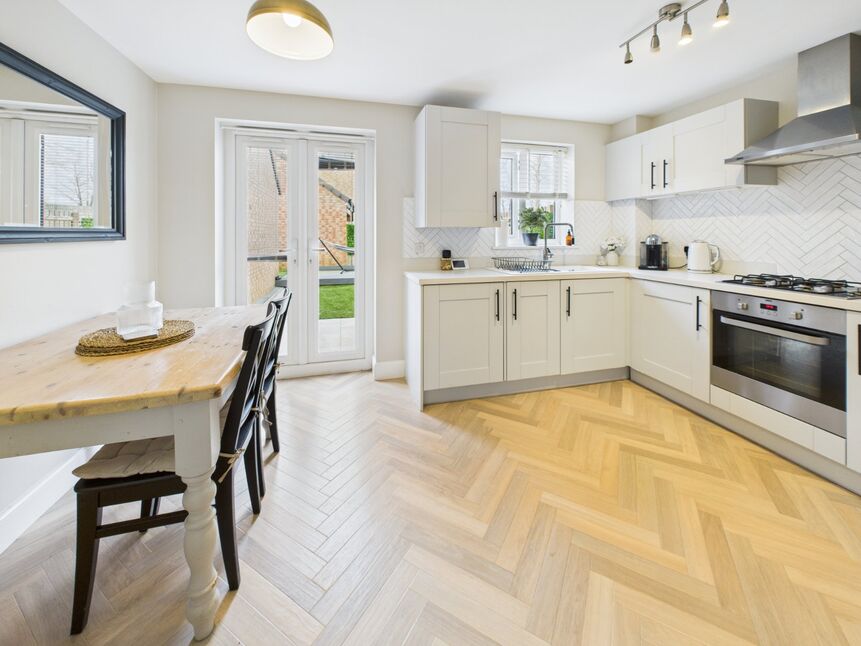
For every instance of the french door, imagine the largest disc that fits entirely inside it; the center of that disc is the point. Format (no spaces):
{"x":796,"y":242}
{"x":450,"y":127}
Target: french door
{"x":301,"y":222}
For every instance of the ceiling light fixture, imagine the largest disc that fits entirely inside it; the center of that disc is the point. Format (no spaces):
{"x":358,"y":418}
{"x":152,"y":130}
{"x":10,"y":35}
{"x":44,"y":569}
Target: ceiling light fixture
{"x":290,"y":28}
{"x":722,"y":17}
{"x":687,"y":33}
{"x":668,"y":13}
{"x":655,"y":45}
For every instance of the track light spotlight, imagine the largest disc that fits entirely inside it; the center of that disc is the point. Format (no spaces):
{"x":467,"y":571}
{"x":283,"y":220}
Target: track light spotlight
{"x":687,"y":32}
{"x":655,"y":45}
{"x":629,"y":58}
{"x":722,"y":17}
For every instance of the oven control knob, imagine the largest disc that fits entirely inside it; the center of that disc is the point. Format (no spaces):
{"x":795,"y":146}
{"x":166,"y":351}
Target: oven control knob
{"x":742,"y":306}
{"x":798,"y":315}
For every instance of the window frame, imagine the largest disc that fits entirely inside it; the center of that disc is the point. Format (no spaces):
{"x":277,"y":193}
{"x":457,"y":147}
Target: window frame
{"x":34,"y":130}
{"x":507,"y":235}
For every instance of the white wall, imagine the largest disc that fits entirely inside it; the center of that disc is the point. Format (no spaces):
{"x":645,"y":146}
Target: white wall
{"x":187,"y":183}
{"x":45,"y":286}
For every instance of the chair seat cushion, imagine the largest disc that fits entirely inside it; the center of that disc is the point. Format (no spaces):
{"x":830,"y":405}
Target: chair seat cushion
{"x":124,"y":459}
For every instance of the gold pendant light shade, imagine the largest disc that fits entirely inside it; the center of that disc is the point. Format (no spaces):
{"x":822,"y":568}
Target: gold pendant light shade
{"x":290,"y":28}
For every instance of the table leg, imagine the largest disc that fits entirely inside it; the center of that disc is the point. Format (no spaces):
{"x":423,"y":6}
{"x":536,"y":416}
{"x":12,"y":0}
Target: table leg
{"x":197,"y":437}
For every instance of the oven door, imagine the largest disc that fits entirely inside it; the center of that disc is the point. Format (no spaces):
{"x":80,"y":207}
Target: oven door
{"x":794,"y":370}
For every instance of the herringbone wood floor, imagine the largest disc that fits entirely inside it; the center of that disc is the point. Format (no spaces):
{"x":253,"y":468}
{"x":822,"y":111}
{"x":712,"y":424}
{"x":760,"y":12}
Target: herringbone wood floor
{"x":593,"y":515}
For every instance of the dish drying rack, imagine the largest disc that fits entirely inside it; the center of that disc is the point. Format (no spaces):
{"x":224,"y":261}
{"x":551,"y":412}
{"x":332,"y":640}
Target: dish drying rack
{"x":520,"y":263}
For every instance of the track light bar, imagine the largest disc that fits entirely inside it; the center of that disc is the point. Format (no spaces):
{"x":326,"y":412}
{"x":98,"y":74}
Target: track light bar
{"x":668,"y":13}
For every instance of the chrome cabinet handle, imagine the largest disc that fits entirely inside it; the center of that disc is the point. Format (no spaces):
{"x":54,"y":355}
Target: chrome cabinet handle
{"x":653,"y":175}
{"x":784,"y":334}
{"x":666,"y":183}
{"x":497,"y":304}
{"x":514,"y":293}
{"x":496,"y":206}
{"x":568,"y":306}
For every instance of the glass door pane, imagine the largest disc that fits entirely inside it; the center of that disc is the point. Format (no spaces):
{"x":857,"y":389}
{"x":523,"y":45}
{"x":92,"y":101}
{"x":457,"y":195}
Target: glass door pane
{"x":268,"y":188}
{"x":336,"y":283}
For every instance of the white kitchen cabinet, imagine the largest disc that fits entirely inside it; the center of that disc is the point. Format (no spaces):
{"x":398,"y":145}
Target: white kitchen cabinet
{"x":463,"y":335}
{"x":457,"y":167}
{"x":656,"y":162}
{"x":688,"y":155}
{"x":622,"y":169}
{"x":532,"y":329}
{"x":702,"y":142}
{"x":594,"y":324}
{"x":853,"y":391}
{"x":670,"y":335}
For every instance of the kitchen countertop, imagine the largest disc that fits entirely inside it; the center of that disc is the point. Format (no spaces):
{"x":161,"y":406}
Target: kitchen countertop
{"x":673,"y":276}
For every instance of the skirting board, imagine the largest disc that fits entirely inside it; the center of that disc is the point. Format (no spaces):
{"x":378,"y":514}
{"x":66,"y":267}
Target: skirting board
{"x":40,"y":498}
{"x":523,"y":386}
{"x":384,"y":370}
{"x":801,"y":456}
{"x":317,"y":369}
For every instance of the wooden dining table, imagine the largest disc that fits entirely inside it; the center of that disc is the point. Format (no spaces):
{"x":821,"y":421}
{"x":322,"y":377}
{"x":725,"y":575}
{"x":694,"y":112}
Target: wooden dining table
{"x":53,"y":399}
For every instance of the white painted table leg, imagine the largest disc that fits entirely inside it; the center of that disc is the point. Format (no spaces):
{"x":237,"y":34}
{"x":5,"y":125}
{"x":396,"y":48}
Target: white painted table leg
{"x":199,"y":543}
{"x":197,"y":437}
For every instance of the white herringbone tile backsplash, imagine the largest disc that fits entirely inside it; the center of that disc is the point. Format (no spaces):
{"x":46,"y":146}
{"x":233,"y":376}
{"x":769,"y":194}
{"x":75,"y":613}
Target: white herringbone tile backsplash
{"x":809,"y":224}
{"x":593,"y":222}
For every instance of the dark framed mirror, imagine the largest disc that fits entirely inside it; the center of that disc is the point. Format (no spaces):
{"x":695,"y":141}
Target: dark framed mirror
{"x":62,"y":158}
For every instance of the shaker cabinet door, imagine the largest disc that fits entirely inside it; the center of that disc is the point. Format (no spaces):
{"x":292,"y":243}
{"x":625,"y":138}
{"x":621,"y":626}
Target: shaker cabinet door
{"x":464,"y":335}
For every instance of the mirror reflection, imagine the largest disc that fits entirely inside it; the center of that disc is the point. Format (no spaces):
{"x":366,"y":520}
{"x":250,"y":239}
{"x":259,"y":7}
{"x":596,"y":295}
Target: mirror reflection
{"x":54,"y":159}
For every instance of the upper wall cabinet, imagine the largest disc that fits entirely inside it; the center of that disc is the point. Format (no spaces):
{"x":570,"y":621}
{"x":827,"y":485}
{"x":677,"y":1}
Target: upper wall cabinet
{"x":688,"y":155}
{"x":457,"y":167}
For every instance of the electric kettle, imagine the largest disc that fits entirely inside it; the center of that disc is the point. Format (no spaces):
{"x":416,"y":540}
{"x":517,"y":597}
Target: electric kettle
{"x":703,"y":257}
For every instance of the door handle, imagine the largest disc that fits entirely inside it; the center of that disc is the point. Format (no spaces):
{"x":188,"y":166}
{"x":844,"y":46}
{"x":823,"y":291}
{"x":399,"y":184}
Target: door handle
{"x":773,"y":331}
{"x":497,"y":304}
{"x":699,"y":326}
{"x":496,"y":206}
{"x":514,"y":293}
{"x":653,"y":175}
{"x":568,"y":306}
{"x":666,"y":183}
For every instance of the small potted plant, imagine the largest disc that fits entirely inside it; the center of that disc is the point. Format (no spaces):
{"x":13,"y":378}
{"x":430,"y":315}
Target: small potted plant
{"x":532,"y":223}
{"x":610,"y":249}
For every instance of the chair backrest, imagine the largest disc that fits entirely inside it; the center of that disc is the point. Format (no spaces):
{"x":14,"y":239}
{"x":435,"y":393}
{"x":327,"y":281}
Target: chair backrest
{"x":244,"y":402}
{"x":280,"y":307}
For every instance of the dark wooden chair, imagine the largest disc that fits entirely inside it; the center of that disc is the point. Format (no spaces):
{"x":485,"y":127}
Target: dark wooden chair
{"x":280,"y":306}
{"x":97,"y":489}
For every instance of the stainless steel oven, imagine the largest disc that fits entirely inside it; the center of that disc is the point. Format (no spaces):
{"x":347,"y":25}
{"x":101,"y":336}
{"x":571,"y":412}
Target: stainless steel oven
{"x":787,"y":356}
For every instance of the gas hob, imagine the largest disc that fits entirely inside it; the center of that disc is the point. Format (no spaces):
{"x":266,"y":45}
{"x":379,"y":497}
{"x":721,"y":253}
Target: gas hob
{"x":824,"y":286}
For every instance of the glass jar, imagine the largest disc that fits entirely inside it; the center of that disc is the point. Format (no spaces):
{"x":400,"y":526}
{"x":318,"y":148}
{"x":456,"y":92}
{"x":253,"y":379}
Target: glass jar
{"x":141,"y":316}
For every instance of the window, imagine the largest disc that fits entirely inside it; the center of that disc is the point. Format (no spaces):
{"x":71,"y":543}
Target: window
{"x":49,"y":170}
{"x":533,"y":175}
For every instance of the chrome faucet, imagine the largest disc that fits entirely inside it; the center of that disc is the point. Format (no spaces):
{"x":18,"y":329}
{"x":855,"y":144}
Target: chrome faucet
{"x":548,"y":254}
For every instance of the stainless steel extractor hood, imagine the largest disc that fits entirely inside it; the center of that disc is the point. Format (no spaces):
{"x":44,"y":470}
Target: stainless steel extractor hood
{"x":829,"y":110}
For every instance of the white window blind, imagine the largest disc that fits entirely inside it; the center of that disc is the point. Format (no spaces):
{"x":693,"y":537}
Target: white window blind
{"x":68,"y":172}
{"x":535,"y":172}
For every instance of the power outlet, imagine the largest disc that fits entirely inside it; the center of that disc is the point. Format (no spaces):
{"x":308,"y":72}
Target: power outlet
{"x":419,"y":249}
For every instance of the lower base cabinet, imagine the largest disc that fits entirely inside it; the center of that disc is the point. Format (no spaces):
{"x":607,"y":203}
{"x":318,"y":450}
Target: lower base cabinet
{"x":670,"y":331}
{"x":594,"y":325}
{"x":532,"y":329}
{"x":464,"y":335}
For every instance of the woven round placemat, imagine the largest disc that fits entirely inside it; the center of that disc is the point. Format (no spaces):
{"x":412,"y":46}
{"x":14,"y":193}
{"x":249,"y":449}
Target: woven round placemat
{"x":106,"y":342}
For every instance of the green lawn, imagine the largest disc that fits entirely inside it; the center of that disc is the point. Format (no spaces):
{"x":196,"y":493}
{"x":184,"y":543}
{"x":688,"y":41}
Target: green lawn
{"x":336,"y":301}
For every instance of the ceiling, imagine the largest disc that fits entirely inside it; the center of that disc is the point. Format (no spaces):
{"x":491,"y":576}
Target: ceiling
{"x":549,"y":58}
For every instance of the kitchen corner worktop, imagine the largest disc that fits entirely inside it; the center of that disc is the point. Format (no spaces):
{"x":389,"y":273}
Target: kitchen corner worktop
{"x":673,"y":276}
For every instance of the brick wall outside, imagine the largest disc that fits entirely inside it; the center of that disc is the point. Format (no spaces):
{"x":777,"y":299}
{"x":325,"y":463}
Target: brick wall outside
{"x":333,"y":213}
{"x":266,"y":219}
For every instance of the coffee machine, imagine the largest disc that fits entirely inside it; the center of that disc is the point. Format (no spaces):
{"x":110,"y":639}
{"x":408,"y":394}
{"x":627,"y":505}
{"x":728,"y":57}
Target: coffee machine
{"x":654,"y":253}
